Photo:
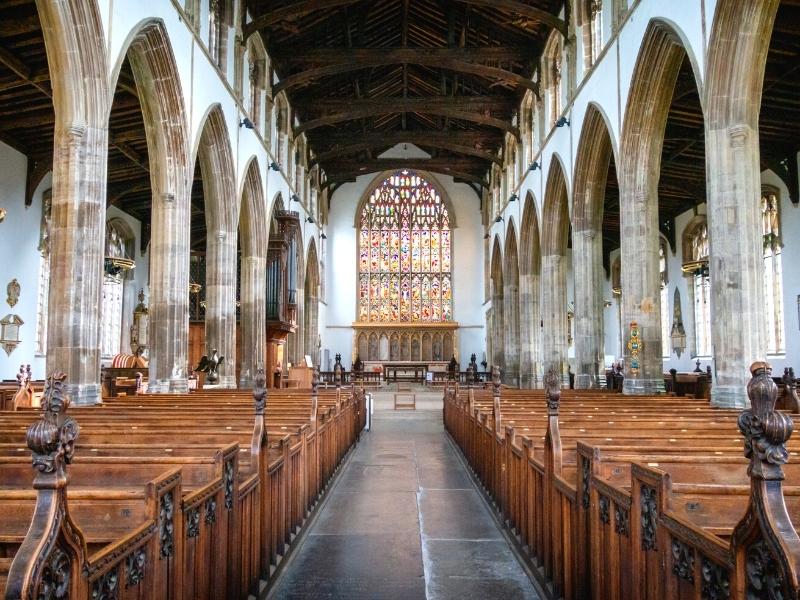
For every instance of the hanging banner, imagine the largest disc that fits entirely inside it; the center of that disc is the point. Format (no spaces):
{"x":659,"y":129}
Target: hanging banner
{"x":635,"y":346}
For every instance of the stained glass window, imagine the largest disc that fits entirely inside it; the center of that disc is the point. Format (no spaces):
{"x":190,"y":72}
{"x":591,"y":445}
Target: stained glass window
{"x":404,"y":253}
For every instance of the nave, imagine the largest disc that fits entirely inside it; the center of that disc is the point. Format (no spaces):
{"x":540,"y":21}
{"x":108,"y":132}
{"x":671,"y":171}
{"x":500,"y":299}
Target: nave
{"x":404,"y":520}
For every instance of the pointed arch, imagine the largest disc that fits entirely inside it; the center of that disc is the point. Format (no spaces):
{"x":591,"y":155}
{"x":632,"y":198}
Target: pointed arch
{"x":253,"y":245}
{"x":213,"y":152}
{"x":311,"y":316}
{"x":555,"y":218}
{"x":155,"y":73}
{"x":595,"y":152}
{"x":511,"y":306}
{"x":530,"y":266}
{"x":653,"y":83}
{"x":497,"y":332}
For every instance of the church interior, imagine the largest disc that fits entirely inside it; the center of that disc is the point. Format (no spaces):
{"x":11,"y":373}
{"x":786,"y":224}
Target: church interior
{"x":399,"y":299}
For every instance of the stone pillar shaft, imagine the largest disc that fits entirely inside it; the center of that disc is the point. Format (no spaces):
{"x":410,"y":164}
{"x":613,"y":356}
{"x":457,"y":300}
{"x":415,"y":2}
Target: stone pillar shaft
{"x":641,"y":300}
{"x":76,"y":258}
{"x":528,"y":328}
{"x":169,"y":294}
{"x":587,"y":269}
{"x":554,"y":314}
{"x":254,"y":318}
{"x":511,"y":334}
{"x":736,"y":266}
{"x":221,"y":302}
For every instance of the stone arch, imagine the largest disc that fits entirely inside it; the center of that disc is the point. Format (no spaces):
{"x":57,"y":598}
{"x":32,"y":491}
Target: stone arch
{"x":555,"y":236}
{"x":530,"y":267}
{"x":733,"y":171}
{"x":156,"y":75}
{"x":311,"y":312}
{"x":215,"y":157}
{"x":253,"y":243}
{"x":511,"y":307}
{"x":652,"y":86}
{"x":76,"y":51}
{"x":497,"y":332}
{"x":595,"y":153}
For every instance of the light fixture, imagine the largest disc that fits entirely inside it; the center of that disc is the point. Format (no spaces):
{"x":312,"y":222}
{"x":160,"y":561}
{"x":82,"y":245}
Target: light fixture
{"x":295,"y":197}
{"x":323,"y":236}
{"x":486,"y":236}
{"x":513,"y":198}
{"x":246,"y":123}
{"x":562,"y":121}
{"x":310,"y":220}
{"x":498,"y":218}
{"x":534,"y":165}
{"x":274,"y":166}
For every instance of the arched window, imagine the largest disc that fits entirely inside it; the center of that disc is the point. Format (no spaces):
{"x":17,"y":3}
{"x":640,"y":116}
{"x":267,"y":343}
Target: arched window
{"x":552,"y":70}
{"x":220,"y":20}
{"x":43,"y":289}
{"x":595,"y":42}
{"x":256,"y":71}
{"x":697,"y":265}
{"x":773,"y":271}
{"x":666,"y":322}
{"x":113,"y":288}
{"x":404,"y":253}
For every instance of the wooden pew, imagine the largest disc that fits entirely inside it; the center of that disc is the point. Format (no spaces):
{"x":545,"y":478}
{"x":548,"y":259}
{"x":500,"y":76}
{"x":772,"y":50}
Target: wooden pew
{"x":615,"y":500}
{"x":202,"y":501}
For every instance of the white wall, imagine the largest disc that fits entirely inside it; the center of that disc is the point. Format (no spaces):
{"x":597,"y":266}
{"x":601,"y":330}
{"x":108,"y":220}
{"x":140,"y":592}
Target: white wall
{"x":19,"y":239}
{"x":467,"y":264}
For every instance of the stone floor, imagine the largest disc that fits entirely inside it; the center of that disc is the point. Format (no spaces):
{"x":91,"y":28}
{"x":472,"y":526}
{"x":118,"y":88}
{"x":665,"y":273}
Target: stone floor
{"x":404,"y":520}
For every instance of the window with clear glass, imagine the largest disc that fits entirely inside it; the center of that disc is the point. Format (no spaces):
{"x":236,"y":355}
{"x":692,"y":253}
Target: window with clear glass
{"x":665,"y":318}
{"x":111,"y":324}
{"x":702,"y":291}
{"x":596,"y":23}
{"x":404,"y":253}
{"x":773,"y":272}
{"x":41,"y":303}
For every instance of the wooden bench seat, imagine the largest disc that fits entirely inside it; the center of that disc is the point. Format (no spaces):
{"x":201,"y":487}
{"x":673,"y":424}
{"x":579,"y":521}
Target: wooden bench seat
{"x":235,"y":485}
{"x":618,"y":497}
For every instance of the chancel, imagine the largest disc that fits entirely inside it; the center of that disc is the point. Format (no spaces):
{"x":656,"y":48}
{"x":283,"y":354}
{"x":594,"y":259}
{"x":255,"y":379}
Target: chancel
{"x":399,"y":299}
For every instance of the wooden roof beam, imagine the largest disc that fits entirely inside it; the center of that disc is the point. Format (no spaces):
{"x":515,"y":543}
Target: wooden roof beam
{"x":350,"y":115}
{"x":419,"y":140}
{"x":380,"y":60}
{"x":336,"y":56}
{"x":298,"y":9}
{"x":325,"y":105}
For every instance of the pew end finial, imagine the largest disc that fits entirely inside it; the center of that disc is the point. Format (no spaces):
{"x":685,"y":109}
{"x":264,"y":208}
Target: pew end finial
{"x":53,"y":552}
{"x":765,"y":544}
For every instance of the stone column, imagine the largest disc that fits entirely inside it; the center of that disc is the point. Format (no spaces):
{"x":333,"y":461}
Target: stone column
{"x":253,"y":318}
{"x":528,"y":328}
{"x":733,"y":174}
{"x":169,"y":293}
{"x":641,"y":299}
{"x":587,"y":269}
{"x":554,"y":315}
{"x":498,"y":357}
{"x":511,"y":333}
{"x":77,"y":235}
{"x":221,"y":302}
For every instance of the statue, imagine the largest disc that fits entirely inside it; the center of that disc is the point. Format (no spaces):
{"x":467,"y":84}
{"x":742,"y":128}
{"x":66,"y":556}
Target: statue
{"x":209,"y":366}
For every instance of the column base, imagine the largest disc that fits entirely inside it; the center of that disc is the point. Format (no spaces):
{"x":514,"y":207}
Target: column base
{"x":642,"y":387}
{"x":729,"y":396}
{"x":227,"y":382}
{"x":179,"y":385}
{"x":85,"y":394}
{"x":585,"y":381}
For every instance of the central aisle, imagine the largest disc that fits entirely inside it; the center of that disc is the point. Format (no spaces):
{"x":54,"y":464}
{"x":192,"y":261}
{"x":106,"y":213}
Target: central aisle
{"x":404,"y":520}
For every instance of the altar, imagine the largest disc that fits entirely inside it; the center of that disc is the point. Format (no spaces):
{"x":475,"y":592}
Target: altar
{"x":394,"y":371}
